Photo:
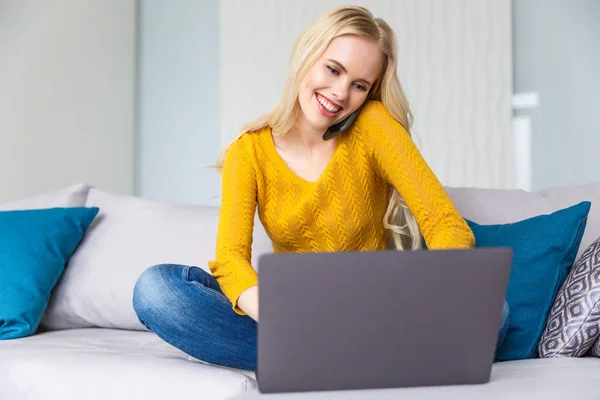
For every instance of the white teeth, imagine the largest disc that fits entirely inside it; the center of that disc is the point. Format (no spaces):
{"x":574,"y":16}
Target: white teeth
{"x":328,"y":106}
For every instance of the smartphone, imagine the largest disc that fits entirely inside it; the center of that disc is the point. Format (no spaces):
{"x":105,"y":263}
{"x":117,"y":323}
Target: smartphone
{"x":343,"y":125}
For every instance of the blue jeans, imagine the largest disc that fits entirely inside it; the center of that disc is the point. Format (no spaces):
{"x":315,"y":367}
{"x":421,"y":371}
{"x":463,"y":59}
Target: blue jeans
{"x":185,"y":307}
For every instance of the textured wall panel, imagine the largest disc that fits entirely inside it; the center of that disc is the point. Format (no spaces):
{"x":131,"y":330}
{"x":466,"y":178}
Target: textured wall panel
{"x":454,"y":63}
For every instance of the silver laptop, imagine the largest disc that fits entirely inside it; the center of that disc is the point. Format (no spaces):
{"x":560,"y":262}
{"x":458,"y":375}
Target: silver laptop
{"x":384,"y":319}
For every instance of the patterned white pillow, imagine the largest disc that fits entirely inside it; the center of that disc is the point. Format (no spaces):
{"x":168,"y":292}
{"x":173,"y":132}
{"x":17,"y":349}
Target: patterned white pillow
{"x":574,"y":321}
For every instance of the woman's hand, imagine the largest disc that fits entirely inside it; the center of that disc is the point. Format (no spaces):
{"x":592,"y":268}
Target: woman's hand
{"x":248,"y":302}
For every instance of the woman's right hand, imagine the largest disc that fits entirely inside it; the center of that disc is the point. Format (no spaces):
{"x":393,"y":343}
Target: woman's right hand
{"x":248,"y":302}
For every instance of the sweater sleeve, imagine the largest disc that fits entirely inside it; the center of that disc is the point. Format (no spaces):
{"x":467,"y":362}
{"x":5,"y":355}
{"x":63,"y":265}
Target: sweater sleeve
{"x":399,"y":162}
{"x":232,"y":268}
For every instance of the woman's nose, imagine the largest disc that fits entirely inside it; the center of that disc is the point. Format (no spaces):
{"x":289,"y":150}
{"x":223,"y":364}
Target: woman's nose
{"x":340,"y":92}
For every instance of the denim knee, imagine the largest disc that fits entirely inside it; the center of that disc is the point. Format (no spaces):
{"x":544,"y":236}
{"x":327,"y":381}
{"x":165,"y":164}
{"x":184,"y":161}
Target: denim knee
{"x":149,"y":294}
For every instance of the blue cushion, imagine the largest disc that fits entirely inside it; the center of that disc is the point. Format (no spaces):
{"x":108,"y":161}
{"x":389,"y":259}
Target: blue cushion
{"x":35,"y":245}
{"x":544,"y":250}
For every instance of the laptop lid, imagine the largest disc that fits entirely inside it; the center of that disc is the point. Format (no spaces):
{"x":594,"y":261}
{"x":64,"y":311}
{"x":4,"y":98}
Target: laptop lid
{"x":363,"y":320}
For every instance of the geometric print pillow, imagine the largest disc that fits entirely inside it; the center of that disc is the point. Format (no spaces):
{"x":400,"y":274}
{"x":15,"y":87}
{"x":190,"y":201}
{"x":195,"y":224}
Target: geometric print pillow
{"x":574,"y":321}
{"x":595,"y":351}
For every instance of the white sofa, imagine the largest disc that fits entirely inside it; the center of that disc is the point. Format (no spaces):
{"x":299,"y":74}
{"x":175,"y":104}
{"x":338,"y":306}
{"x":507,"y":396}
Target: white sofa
{"x":91,"y":345}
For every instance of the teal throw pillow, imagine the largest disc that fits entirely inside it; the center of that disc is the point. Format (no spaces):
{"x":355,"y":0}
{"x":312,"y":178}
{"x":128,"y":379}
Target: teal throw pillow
{"x":544,"y":250}
{"x":35,"y":245}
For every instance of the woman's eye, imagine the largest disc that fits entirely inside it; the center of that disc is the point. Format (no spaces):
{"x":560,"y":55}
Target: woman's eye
{"x":360,"y":87}
{"x":332,"y":70}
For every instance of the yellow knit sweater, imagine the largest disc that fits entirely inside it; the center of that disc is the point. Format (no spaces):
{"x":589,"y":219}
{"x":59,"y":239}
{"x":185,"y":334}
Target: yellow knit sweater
{"x":342,"y":211}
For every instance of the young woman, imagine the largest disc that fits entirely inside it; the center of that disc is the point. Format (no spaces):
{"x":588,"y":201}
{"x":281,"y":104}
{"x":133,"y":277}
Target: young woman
{"x":316,"y":189}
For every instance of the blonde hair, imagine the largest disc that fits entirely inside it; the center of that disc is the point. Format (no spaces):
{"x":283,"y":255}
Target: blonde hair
{"x":350,"y":20}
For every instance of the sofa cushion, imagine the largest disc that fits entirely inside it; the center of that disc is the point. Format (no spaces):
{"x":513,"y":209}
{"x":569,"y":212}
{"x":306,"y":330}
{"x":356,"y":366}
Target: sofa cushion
{"x":498,"y":206}
{"x":109,"y":364}
{"x":69,"y":196}
{"x":544,"y":250}
{"x":130,"y":235}
{"x":35,"y":245}
{"x":574,"y":322}
{"x":534,"y":379}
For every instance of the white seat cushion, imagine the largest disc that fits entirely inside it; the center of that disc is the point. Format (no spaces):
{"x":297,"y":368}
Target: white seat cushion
{"x":534,"y":379}
{"x":109,"y":364}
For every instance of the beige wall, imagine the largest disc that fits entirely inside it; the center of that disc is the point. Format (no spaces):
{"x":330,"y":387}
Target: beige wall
{"x":455,"y":64}
{"x":67,"y":84}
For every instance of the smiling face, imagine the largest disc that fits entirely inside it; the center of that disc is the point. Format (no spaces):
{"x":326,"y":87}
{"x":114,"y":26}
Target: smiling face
{"x":339,"y":81}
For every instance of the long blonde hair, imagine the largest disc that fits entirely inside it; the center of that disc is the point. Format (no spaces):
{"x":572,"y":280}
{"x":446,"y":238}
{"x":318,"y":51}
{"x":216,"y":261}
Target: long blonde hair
{"x":350,"y":20}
